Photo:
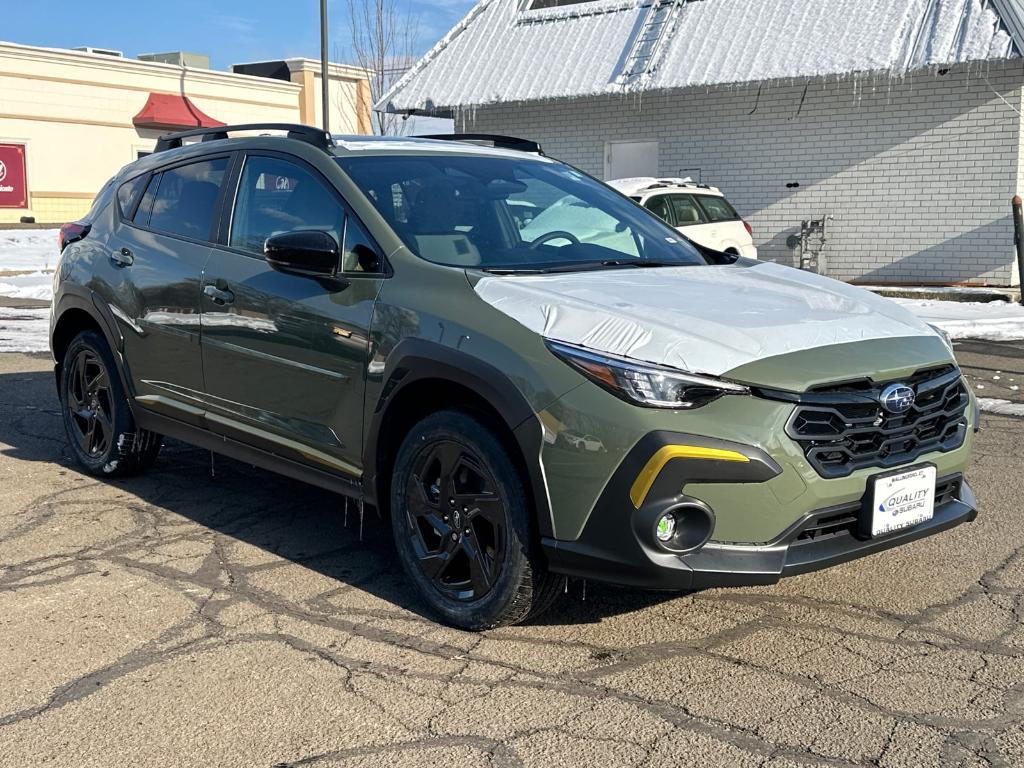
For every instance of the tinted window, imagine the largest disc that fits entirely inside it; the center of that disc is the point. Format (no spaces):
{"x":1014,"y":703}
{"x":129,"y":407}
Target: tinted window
{"x":186,"y":199}
{"x":142,"y":213}
{"x":129,"y":192}
{"x":658,"y":205}
{"x":717,"y":208}
{"x":686,"y":211}
{"x":276,"y":196}
{"x":359,"y":253}
{"x":511,"y":213}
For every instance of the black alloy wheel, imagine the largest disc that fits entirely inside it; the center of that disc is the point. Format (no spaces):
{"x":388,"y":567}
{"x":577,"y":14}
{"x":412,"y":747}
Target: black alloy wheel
{"x":465,"y":525}
{"x":456,"y":520}
{"x":97,"y":418}
{"x":90,"y":404}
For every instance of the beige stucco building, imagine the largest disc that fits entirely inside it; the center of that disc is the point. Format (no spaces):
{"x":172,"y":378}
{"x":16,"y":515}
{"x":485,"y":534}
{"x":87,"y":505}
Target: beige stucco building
{"x":74,"y":118}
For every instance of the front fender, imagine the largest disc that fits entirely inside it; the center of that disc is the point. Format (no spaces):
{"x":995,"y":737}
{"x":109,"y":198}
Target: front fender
{"x":415,"y":359}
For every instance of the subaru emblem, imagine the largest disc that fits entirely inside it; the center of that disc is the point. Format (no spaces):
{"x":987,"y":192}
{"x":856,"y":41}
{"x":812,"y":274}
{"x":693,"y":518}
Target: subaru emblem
{"x":897,"y":398}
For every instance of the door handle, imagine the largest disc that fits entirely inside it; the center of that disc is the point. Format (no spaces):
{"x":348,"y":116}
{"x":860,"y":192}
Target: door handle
{"x":218,"y":296}
{"x":122,"y":258}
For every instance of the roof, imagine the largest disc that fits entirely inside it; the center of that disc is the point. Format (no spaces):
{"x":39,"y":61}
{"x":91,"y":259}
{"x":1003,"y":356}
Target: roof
{"x":360,"y":144}
{"x":501,"y":52}
{"x":300,"y":64}
{"x":636,"y":185}
{"x":131,"y":69}
{"x":170,"y":111}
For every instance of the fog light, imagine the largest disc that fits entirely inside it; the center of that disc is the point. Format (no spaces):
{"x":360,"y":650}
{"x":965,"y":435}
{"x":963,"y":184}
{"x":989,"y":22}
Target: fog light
{"x":666,"y":527}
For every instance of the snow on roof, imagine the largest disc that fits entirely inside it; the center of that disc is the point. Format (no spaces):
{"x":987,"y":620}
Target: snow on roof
{"x":501,"y":52}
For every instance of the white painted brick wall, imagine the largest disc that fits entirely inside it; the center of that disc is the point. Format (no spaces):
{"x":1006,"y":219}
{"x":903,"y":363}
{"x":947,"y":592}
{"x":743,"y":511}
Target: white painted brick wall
{"x":918,"y":172}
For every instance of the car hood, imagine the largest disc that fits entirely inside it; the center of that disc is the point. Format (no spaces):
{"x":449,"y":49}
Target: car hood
{"x":702,"y":319}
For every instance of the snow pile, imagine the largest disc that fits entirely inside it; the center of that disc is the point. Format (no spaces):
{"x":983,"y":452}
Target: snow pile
{"x":27,"y":260}
{"x":28,"y":250}
{"x":1001,"y":407}
{"x":35,"y":285}
{"x":990,"y":321}
{"x":24,"y":330}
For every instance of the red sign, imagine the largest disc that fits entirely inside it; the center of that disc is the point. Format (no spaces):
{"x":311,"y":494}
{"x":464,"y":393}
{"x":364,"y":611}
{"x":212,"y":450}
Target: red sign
{"x":13,"y":176}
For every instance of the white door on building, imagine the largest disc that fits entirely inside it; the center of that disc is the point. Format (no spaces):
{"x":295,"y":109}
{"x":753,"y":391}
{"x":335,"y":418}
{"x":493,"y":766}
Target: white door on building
{"x":626,"y":159}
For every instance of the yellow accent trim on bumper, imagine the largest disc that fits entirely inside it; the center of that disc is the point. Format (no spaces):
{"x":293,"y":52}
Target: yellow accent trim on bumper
{"x":645,"y":480}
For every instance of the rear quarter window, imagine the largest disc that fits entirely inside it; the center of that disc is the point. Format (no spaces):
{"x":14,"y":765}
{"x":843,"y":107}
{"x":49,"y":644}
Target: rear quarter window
{"x":717,"y":208}
{"x":128,"y":194}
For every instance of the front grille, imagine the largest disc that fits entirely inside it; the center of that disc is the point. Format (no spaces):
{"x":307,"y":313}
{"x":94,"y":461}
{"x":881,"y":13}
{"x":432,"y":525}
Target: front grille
{"x":844,"y":428}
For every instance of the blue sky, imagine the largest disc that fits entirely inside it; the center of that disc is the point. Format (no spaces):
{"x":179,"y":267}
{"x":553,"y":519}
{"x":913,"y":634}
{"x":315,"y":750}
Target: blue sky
{"x":229,"y":31}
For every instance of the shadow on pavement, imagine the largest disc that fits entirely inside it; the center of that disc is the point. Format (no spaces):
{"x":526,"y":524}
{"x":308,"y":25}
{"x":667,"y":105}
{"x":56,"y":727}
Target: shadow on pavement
{"x":292,"y":520}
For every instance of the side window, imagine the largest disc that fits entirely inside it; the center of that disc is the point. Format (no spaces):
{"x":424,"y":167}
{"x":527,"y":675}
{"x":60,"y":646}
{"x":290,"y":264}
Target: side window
{"x":359,"y":253}
{"x":686,"y":211}
{"x":718,"y":209}
{"x":276,"y":196}
{"x":186,"y":200}
{"x":145,"y":209}
{"x":128,"y":193}
{"x":658,"y":205}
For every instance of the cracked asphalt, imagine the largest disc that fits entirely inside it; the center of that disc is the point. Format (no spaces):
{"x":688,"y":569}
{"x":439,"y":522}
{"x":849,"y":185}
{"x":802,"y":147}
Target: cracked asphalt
{"x":230,"y":617}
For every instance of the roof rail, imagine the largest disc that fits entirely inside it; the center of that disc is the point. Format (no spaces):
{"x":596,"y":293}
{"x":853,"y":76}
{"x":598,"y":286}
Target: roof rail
{"x":310,"y":135}
{"x":489,"y":140}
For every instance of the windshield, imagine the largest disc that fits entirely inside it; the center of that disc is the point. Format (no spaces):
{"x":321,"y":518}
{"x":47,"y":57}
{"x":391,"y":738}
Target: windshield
{"x":510,"y":214}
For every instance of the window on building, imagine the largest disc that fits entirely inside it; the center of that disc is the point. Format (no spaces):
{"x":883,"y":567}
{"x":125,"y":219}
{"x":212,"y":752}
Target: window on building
{"x":186,"y":198}
{"x":717,"y":209}
{"x":276,"y":196}
{"x":686,"y":211}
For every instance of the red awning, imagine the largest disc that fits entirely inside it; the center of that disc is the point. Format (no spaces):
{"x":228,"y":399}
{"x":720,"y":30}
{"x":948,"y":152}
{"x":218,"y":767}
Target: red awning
{"x":169,"y":111}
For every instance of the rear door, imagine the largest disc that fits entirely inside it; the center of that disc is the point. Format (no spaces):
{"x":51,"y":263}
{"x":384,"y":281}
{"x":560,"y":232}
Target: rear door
{"x":161,"y":244}
{"x":691,"y":220}
{"x":285,"y":355}
{"x":725,"y":227}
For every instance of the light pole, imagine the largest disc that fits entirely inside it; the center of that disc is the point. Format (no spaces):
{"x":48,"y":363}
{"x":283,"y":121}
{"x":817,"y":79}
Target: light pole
{"x":325,"y":82}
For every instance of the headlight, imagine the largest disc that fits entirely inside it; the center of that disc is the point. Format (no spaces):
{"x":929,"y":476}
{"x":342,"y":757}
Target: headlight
{"x":651,"y":385}
{"x":946,"y":338}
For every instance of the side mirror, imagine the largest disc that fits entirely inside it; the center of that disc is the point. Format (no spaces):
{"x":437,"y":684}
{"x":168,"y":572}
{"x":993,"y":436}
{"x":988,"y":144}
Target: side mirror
{"x":310,"y":252}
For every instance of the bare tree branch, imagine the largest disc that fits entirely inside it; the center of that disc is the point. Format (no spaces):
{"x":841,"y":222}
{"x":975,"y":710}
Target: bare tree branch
{"x":383,"y":41}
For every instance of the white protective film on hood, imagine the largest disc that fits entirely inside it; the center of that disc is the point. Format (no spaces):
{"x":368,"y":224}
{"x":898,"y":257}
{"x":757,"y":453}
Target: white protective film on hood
{"x":701,"y":319}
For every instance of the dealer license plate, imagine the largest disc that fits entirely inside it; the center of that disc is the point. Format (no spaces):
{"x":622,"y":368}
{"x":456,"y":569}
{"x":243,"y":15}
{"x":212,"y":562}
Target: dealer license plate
{"x":902,"y":499}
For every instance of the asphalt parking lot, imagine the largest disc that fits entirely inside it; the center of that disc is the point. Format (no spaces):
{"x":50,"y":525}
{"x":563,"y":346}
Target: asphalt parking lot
{"x":222,"y":616}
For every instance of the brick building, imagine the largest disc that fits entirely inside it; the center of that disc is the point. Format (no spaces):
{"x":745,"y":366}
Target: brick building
{"x":899,"y":119}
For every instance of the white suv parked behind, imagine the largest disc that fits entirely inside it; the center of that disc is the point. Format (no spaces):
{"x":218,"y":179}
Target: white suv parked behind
{"x":698,"y":211}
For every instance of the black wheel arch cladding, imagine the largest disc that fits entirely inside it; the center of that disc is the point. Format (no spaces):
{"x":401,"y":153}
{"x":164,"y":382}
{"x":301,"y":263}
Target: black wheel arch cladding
{"x":415,"y":361}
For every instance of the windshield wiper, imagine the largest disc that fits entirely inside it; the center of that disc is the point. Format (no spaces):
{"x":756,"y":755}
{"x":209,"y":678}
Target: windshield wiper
{"x":639,"y":263}
{"x":581,"y":266}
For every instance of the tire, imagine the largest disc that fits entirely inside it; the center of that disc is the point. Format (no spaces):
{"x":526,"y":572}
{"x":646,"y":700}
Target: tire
{"x":463,"y":525}
{"x":97,"y":419}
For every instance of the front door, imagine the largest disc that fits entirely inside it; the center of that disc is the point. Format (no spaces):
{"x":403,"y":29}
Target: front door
{"x":161,"y":243}
{"x":285,"y":355}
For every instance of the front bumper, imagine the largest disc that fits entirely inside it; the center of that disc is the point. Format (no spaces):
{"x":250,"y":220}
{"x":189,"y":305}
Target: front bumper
{"x":616,"y":544}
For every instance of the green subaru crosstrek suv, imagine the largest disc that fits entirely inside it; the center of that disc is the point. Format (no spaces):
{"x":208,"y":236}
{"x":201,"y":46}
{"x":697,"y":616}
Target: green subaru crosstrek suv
{"x":529,"y":375}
